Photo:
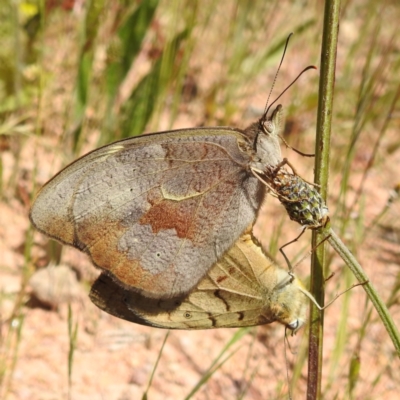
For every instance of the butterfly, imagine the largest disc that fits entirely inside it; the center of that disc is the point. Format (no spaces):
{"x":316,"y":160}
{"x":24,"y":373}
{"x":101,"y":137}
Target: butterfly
{"x":243,"y":288}
{"x":156,"y":212}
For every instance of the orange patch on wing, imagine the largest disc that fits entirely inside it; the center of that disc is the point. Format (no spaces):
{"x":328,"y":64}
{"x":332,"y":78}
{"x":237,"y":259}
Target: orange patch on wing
{"x":171,"y":214}
{"x":58,"y":228}
{"x":102,"y":236}
{"x":221,"y":278}
{"x":131,"y":274}
{"x":231,"y":270}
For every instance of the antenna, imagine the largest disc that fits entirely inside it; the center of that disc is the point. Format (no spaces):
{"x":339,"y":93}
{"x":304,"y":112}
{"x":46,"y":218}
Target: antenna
{"x":290,"y":85}
{"x":267,"y":107}
{"x":277,"y":72}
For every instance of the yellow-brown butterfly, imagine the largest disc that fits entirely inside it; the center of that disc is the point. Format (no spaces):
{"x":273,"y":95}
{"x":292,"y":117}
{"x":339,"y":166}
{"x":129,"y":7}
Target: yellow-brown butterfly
{"x":157,"y":211}
{"x":243,"y":288}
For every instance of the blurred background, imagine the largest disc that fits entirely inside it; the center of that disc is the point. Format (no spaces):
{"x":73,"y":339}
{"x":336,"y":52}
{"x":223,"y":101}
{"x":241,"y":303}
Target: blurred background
{"x":75,"y":75}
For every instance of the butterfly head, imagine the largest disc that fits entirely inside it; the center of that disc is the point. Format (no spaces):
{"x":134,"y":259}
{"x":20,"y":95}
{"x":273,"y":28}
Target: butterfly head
{"x":267,"y":146}
{"x":290,"y":302}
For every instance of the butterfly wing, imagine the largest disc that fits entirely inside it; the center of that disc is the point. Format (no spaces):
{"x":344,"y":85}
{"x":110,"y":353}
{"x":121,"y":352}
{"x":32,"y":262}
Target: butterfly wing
{"x":244,"y":288}
{"x":155,"y":211}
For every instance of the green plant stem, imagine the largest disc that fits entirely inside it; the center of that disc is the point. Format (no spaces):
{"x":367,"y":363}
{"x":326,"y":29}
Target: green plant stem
{"x":322,"y":148}
{"x":216,"y":364}
{"x":361,"y":276}
{"x":145,"y":394}
{"x":72,"y":335}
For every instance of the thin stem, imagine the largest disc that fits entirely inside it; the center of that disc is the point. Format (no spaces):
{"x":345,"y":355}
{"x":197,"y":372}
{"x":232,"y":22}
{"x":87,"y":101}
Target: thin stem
{"x":322,"y":147}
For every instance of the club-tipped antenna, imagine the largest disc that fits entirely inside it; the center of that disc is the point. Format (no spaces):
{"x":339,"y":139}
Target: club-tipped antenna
{"x":288,"y":87}
{"x":277,"y":72}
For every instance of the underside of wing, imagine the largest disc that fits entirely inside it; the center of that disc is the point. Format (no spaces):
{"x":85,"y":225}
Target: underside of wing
{"x":244,"y":288}
{"x":199,"y":310}
{"x":156,"y":211}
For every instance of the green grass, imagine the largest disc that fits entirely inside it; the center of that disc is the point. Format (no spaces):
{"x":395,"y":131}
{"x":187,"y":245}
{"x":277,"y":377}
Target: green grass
{"x":72,"y":81}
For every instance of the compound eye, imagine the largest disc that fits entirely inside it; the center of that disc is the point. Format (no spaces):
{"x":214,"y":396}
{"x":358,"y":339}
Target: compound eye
{"x":294,"y":325}
{"x":268,"y":126}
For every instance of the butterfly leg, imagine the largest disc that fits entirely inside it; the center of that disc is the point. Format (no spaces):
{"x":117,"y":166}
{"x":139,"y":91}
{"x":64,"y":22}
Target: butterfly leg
{"x":345,"y":291}
{"x":295,"y":150}
{"x":287,"y":244}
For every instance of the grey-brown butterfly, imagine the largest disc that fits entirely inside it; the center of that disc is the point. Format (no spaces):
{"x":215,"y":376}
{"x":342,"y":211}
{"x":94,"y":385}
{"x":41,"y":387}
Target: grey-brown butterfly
{"x":157,"y":211}
{"x":244,"y":288}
